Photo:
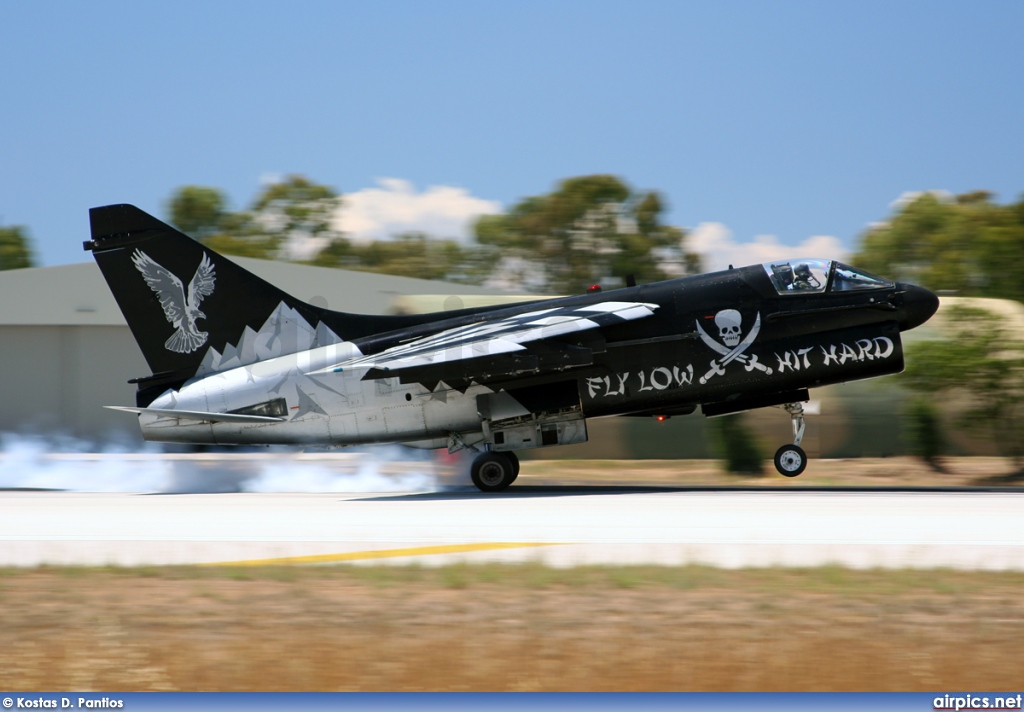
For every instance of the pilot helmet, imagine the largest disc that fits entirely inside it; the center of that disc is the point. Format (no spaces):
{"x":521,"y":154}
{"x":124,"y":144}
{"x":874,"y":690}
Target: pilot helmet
{"x":803,"y":274}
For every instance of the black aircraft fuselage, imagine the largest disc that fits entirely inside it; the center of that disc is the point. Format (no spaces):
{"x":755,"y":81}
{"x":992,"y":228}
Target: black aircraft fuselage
{"x":672,"y":362}
{"x":237,"y":361}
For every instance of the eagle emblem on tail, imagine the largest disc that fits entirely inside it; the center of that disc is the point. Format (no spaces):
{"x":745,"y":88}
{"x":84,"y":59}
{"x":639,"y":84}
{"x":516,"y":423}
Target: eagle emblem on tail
{"x":181,"y":307}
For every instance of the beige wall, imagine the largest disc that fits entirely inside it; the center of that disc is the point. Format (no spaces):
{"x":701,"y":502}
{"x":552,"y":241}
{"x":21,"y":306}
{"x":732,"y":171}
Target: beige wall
{"x":56,"y":379}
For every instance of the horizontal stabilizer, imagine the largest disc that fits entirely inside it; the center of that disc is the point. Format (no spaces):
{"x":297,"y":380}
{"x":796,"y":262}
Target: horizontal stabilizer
{"x":198,"y":415}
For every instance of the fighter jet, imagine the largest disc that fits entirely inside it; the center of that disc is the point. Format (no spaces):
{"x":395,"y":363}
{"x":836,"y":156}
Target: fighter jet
{"x":257,"y":366}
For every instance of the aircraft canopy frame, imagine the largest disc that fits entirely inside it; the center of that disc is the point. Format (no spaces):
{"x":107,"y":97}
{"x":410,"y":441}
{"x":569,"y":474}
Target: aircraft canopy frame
{"x":817,"y":276}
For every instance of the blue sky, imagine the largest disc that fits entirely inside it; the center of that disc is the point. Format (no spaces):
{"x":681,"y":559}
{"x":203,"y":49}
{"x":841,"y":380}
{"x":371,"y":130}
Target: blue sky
{"x":791,"y":119}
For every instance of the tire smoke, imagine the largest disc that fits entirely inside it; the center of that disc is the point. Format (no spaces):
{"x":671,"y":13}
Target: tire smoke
{"x":32,"y":462}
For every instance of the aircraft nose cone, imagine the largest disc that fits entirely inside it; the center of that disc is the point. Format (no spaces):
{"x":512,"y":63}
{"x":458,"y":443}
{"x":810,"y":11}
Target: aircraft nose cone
{"x":918,"y":305}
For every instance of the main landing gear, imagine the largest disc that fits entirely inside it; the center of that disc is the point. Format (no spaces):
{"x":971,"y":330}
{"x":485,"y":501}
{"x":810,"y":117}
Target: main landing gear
{"x":791,"y":460}
{"x":494,"y":471}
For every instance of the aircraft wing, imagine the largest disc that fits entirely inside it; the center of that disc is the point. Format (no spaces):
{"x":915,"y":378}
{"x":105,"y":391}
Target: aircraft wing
{"x":198,"y":415}
{"x":495,"y":341}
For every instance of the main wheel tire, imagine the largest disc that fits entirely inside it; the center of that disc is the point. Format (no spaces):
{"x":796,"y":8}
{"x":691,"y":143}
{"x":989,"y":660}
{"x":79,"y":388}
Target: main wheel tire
{"x":790,"y":460}
{"x":492,"y":472}
{"x":515,"y":464}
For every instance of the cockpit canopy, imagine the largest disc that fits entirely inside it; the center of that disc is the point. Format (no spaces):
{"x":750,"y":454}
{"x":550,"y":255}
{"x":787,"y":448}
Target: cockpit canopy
{"x":809,"y":276}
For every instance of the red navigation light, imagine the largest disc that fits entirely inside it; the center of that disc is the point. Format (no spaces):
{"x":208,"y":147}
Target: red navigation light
{"x":594,"y":288}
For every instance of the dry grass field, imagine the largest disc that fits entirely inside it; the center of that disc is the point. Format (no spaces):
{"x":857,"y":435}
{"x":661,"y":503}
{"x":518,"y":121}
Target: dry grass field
{"x":509,"y":627}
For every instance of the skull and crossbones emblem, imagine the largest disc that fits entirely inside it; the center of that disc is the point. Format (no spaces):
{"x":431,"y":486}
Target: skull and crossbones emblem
{"x":728,"y":322}
{"x":732,"y":345}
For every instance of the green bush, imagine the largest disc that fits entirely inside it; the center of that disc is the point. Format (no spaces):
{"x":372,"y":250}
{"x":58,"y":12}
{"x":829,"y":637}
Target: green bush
{"x":926,"y":438}
{"x":737,"y":445}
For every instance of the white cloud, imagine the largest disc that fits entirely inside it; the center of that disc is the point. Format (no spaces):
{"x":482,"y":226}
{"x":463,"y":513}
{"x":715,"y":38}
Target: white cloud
{"x":396,"y":207}
{"x":714,"y":243}
{"x":304,"y":247}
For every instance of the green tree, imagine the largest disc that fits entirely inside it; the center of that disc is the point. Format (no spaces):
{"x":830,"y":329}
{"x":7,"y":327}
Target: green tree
{"x":981,"y":366}
{"x":737,"y":445}
{"x":240,"y":235}
{"x":198,"y":211}
{"x":926,"y":438}
{"x":589,"y":229}
{"x":968,"y":245}
{"x":412,"y":254}
{"x":283,"y":218}
{"x":295,"y":209}
{"x":15,"y":248}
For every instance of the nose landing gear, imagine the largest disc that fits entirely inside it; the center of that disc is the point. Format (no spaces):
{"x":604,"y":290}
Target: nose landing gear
{"x":791,"y":460}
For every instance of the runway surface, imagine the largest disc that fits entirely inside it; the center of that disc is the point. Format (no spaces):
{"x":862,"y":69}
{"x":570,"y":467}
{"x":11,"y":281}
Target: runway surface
{"x":561,"y":526}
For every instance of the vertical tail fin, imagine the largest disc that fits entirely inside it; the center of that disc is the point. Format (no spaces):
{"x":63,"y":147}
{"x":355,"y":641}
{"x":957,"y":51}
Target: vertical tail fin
{"x":193,"y":311}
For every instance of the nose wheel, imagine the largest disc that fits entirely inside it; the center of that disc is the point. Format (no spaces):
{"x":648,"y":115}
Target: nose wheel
{"x":791,"y":460}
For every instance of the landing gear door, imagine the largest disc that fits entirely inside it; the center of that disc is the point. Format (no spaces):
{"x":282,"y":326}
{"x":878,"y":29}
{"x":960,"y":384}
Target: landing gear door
{"x":522,"y":418}
{"x":527,"y":433}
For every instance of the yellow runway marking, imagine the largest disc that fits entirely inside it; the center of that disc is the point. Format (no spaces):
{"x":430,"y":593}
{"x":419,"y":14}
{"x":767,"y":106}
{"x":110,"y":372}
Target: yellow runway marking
{"x":383,"y":554}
